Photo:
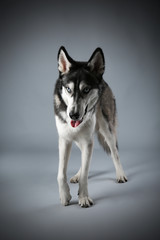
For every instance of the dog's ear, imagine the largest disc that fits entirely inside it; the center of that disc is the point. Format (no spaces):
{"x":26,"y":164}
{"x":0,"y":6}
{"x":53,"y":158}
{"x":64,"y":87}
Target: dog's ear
{"x":97,"y":63}
{"x":64,"y":61}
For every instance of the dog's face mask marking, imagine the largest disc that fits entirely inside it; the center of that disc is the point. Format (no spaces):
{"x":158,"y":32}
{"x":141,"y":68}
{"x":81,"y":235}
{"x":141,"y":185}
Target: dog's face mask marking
{"x":80,"y":99}
{"x":81,"y":84}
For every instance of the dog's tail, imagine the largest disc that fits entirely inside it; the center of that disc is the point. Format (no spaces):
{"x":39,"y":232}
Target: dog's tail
{"x":102,"y":141}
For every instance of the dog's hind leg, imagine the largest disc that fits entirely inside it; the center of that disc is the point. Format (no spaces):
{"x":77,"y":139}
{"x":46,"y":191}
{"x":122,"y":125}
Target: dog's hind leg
{"x":121,"y":178}
{"x":64,"y":152}
{"x":110,"y":143}
{"x":75,"y":178}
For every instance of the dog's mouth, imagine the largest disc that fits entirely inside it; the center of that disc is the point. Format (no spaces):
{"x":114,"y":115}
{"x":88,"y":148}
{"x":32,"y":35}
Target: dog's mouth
{"x":75,"y":124}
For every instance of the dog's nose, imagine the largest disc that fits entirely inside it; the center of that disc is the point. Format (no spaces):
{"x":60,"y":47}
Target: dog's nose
{"x":74,"y":116}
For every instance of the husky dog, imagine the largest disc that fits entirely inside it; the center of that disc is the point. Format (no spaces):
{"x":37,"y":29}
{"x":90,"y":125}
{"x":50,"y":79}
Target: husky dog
{"x":83,"y":104}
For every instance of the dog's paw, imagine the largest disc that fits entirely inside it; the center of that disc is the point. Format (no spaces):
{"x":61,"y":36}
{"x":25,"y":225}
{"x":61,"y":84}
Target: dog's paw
{"x":85,"y":202}
{"x":65,"y":199}
{"x":74,"y":179}
{"x":122,"y":179}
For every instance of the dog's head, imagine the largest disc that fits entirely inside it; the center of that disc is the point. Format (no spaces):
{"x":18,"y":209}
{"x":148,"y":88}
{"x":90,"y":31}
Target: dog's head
{"x":81,"y":84}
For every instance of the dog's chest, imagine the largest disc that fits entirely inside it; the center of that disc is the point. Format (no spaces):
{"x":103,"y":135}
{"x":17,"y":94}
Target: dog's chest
{"x":84,"y":130}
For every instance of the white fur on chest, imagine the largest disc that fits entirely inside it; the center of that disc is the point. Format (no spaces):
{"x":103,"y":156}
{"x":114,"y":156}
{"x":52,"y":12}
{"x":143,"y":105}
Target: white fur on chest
{"x":85,"y":130}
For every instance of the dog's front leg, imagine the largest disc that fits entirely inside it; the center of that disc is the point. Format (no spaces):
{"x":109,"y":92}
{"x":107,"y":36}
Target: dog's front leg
{"x":64,"y":152}
{"x":84,"y":200}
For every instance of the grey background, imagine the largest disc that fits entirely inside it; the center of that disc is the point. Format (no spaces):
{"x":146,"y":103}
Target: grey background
{"x":31,"y":34}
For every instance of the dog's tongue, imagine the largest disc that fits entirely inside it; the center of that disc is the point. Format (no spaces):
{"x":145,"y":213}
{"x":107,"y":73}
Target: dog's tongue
{"x":75,"y":123}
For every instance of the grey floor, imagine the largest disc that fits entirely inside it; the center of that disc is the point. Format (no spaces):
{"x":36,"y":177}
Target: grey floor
{"x":30,"y":206}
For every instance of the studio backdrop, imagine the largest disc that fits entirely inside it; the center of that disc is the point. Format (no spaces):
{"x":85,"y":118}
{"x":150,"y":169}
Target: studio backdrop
{"x":31,"y":34}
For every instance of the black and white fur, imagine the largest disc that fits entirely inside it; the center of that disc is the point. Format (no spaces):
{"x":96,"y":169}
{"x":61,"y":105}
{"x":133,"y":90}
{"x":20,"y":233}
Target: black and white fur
{"x":83,"y":104}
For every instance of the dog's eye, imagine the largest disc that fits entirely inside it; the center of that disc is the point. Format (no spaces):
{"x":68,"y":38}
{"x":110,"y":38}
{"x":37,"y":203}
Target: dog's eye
{"x":68,"y":90}
{"x":86,"y":90}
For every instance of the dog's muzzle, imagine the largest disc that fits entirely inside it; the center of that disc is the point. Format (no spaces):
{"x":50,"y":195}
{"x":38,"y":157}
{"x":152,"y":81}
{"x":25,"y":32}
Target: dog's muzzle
{"x":75,"y":122}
